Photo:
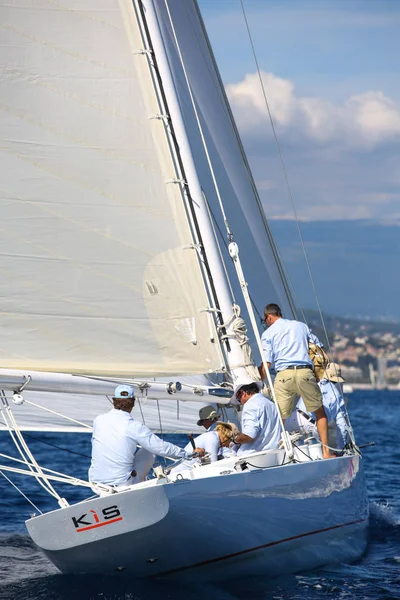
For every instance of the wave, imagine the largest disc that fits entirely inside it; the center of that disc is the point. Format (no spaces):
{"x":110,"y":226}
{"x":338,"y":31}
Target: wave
{"x":384,"y":522}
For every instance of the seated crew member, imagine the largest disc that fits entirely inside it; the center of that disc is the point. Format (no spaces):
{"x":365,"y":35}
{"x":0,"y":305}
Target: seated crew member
{"x":208,"y":418}
{"x":116,"y":435}
{"x":334,"y":405}
{"x":285,"y":344}
{"x":211,"y":442}
{"x":261,"y":428}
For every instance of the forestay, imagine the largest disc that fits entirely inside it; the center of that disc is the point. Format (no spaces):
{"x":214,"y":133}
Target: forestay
{"x":96,"y":274}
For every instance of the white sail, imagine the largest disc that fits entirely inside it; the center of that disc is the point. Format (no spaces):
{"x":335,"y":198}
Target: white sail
{"x":185,"y":41}
{"x":166,"y":416}
{"x":98,"y":270}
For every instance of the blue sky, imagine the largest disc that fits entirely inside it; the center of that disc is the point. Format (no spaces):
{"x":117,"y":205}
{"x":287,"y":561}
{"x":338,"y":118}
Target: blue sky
{"x":331,"y":71}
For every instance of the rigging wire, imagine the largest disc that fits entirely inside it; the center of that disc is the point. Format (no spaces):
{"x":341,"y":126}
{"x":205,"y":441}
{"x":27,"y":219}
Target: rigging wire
{"x":161,"y":431}
{"x":53,"y":412}
{"x":285,"y":173}
{"x":23,"y":448}
{"x":21,"y":492}
{"x":219,"y":88}
{"x":141,"y":411}
{"x":33,"y":437}
{"x":217,"y":226}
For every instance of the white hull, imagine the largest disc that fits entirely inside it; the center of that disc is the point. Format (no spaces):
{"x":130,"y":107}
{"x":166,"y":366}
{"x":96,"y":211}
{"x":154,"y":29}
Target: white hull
{"x":269,"y":521}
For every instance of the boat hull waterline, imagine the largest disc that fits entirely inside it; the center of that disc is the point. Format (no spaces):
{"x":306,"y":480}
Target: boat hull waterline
{"x":265,"y":521}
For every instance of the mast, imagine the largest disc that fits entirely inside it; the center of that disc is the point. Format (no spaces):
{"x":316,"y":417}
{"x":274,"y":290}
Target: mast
{"x":209,"y":247}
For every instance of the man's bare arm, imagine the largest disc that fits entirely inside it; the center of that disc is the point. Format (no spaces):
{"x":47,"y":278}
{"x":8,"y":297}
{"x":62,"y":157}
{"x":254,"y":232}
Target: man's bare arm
{"x":261,"y":370}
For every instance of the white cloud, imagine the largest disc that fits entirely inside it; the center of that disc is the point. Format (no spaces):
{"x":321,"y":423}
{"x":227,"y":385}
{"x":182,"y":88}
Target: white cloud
{"x":364,"y":120}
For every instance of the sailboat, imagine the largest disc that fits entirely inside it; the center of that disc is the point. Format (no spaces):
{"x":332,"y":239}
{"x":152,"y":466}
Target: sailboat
{"x":135,"y":249}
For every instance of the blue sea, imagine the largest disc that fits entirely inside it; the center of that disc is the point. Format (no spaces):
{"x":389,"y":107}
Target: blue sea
{"x":25,"y":574}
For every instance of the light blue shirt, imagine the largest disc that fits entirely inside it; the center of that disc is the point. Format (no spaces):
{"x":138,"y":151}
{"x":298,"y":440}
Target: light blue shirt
{"x":209,"y":441}
{"x":285,"y":344}
{"x":334,"y":407}
{"x":116,"y":435}
{"x":260,"y":421}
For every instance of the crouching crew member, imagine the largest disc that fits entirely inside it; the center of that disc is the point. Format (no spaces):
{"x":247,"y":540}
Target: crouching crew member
{"x":261,"y":429}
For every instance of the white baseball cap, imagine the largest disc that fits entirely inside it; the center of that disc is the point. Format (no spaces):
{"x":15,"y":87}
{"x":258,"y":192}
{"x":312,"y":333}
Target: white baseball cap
{"x":245,"y":381}
{"x":124,"y":391}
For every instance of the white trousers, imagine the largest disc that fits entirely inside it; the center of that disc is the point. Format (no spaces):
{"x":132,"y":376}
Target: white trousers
{"x":144,"y":460}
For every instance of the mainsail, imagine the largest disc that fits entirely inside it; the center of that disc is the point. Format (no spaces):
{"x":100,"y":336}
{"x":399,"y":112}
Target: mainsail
{"x":123,"y":173}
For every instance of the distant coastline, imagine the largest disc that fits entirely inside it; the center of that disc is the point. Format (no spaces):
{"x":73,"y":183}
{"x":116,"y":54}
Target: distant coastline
{"x":369,"y":386}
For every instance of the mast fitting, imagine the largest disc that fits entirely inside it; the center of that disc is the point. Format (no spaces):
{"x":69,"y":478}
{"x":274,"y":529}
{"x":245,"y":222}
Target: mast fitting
{"x":17,"y":394}
{"x":166,"y":118}
{"x":143,"y":51}
{"x":176,"y":180}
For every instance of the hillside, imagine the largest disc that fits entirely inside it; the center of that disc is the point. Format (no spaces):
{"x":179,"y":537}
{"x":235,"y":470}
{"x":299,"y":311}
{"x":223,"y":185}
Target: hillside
{"x":361,"y":346}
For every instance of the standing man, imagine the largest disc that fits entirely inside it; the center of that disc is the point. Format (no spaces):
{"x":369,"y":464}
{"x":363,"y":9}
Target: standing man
{"x":116,"y":435}
{"x":261,"y":429}
{"x":285,"y":344}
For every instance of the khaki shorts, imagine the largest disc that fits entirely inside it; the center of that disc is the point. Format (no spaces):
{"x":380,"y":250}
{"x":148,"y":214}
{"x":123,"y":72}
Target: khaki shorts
{"x":292,"y":383}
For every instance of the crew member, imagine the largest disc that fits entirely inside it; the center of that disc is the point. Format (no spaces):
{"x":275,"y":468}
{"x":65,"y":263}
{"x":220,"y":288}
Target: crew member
{"x":285,"y":344}
{"x":116,"y":435}
{"x":208,"y":418}
{"x":261,"y":429}
{"x":213,"y":441}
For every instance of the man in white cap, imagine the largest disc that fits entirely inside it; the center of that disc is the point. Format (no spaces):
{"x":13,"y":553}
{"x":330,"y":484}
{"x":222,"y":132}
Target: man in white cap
{"x":261,"y":428}
{"x":116,"y":435}
{"x":208,"y":418}
{"x":334,"y":405}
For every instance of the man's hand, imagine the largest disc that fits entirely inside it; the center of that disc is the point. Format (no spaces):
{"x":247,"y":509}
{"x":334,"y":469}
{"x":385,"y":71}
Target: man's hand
{"x":200,"y":451}
{"x":242,"y":438}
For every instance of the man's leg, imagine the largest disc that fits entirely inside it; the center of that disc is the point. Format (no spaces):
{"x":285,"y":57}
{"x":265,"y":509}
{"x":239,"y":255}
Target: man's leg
{"x":308,"y":389}
{"x":285,"y":392}
{"x":322,"y":426}
{"x":143,"y":462}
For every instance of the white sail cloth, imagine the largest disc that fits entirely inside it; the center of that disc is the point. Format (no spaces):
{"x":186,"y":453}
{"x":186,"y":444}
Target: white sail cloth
{"x":96,"y":274}
{"x":242,"y":205}
{"x":169,"y":416}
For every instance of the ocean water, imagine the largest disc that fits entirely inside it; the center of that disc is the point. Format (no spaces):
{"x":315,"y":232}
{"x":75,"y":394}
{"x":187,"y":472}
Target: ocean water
{"x":25,"y":573}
